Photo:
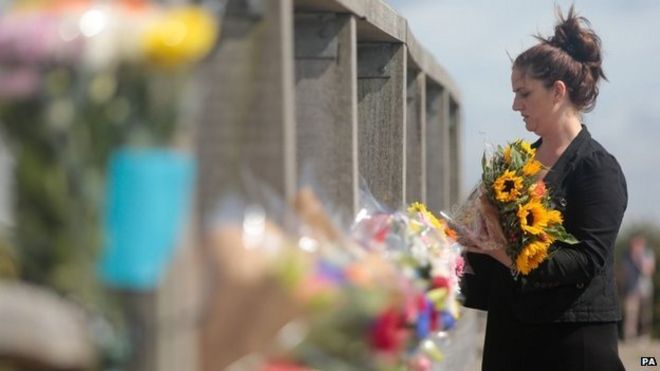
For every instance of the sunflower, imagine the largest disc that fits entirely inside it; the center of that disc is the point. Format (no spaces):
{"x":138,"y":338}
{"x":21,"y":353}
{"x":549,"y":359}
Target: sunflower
{"x":527,"y":148}
{"x":533,"y":217}
{"x":531,"y":167}
{"x":531,"y":256}
{"x":554,"y":217}
{"x":508,"y":186}
{"x":546,"y":238}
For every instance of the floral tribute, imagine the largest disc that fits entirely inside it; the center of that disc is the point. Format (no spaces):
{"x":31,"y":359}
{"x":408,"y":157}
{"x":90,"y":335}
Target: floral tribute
{"x":382,"y":296}
{"x":523,"y":205}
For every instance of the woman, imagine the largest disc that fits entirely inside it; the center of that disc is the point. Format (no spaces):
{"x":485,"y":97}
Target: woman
{"x":562,"y":316}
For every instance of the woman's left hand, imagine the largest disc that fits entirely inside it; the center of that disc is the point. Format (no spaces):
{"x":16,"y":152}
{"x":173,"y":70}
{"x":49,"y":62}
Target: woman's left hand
{"x":474,"y":243}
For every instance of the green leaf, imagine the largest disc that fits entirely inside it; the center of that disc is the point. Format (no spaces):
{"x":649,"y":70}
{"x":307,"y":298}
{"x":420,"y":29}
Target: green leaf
{"x":567,"y":238}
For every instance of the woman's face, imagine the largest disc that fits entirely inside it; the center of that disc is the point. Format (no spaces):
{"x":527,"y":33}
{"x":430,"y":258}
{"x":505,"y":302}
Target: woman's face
{"x":534,"y":102}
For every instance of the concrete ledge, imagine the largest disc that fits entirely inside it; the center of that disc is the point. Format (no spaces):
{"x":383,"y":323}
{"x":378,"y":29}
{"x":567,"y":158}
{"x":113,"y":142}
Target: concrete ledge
{"x":377,"y":21}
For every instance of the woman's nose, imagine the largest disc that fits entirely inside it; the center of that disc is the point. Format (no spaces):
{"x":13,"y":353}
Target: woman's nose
{"x":516,"y":105}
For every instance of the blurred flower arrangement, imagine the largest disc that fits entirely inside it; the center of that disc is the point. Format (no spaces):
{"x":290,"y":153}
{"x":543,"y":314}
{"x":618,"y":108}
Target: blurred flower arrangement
{"x":78,"y":80}
{"x":381,"y":297}
{"x":514,"y":207}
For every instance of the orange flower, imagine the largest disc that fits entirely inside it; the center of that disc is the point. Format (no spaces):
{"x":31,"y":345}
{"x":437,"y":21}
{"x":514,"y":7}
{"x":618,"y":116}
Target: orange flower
{"x":450,"y":233}
{"x":537,"y":190}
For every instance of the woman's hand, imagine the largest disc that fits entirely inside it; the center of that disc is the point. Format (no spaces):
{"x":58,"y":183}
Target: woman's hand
{"x":489,"y":234}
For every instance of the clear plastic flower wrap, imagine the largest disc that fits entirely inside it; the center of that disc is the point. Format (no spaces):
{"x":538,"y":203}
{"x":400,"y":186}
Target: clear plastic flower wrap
{"x":476,"y":221}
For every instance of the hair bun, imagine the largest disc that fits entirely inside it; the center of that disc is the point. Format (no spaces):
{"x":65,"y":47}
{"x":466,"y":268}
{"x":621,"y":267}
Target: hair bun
{"x":574,"y":35}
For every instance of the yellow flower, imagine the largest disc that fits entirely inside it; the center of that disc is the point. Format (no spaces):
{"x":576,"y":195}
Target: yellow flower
{"x":554,"y":217}
{"x":418,"y":207}
{"x":507,"y":154}
{"x":415,"y":227}
{"x":531,"y":256}
{"x":546,"y":238}
{"x":508,"y":186}
{"x":527,"y":148}
{"x":531,"y":167}
{"x":533,"y":217}
{"x":180,"y":36}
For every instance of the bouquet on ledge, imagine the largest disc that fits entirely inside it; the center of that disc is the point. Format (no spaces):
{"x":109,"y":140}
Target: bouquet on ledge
{"x":513,"y":209}
{"x":382,"y":296}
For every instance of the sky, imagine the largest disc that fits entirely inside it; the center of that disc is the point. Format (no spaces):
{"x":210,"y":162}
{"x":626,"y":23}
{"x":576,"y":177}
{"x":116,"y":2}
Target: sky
{"x":472,"y":41}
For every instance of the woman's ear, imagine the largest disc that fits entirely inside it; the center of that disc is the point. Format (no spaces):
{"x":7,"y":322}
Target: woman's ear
{"x":559,"y":91}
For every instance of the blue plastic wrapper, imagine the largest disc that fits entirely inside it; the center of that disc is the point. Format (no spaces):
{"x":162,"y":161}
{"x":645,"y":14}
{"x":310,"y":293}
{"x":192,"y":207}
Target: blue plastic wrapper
{"x":148,"y":197}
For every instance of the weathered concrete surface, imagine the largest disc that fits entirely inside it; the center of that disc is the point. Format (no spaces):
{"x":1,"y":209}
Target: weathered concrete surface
{"x":415,"y":137}
{"x":326,"y":104}
{"x":248,"y":118}
{"x":382,"y":117}
{"x":437,"y":148}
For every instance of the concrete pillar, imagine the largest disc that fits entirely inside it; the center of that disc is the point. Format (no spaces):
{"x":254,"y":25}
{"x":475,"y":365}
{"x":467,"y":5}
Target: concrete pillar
{"x":326,"y":105}
{"x":437,"y":148}
{"x":455,"y":139}
{"x":248,"y":119}
{"x":382,"y":120}
{"x":247,"y":125}
{"x":415,"y":135}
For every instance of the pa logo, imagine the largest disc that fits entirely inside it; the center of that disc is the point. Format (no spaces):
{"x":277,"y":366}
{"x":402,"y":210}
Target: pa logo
{"x":648,"y":361}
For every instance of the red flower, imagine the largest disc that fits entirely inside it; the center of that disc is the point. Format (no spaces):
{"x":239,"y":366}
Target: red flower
{"x":382,"y":234}
{"x":435,"y":320}
{"x":440,"y":282}
{"x":388,"y":332}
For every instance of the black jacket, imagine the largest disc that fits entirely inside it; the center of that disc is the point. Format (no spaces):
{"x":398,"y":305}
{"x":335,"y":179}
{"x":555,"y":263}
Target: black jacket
{"x":577,"y":283}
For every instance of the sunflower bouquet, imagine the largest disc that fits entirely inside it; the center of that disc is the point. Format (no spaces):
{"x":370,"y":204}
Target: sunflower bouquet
{"x":512,"y":193}
{"x":512,"y":208}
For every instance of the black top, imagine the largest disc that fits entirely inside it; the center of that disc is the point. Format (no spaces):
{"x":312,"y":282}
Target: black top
{"x":576,"y":284}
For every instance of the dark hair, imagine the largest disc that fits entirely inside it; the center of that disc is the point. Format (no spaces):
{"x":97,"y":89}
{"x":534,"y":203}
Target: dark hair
{"x":572,"y":55}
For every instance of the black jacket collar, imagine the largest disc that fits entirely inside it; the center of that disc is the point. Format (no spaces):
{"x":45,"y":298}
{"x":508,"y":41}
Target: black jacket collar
{"x":567,"y":160}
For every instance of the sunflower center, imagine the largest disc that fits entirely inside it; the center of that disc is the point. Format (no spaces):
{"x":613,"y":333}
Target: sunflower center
{"x":509,"y":185}
{"x":530,"y":218}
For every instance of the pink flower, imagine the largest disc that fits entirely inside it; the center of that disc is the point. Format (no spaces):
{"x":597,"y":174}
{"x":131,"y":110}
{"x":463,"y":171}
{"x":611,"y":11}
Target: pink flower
{"x":460,"y":266}
{"x":420,"y":363}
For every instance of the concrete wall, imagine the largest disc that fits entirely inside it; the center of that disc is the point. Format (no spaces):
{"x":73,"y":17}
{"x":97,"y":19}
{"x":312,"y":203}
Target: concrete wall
{"x":322,"y":91}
